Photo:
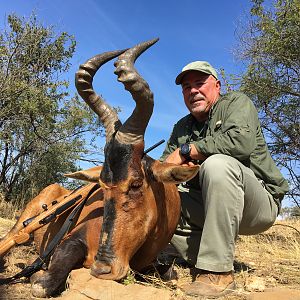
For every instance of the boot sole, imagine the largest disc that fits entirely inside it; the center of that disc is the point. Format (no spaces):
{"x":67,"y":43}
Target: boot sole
{"x":229,"y":289}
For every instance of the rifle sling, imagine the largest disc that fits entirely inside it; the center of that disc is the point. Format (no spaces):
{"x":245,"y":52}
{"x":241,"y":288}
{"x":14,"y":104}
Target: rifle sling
{"x":38,"y":263}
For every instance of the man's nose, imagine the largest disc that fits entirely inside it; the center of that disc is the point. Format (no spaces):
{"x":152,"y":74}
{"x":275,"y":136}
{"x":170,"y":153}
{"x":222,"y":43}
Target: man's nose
{"x":194,"y":90}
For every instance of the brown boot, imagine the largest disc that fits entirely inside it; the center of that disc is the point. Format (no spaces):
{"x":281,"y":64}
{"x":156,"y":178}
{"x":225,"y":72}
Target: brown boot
{"x":210,"y":284}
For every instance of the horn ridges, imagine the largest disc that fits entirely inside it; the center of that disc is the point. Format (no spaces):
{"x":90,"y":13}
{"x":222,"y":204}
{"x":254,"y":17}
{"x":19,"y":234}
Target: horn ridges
{"x":83,"y":81}
{"x":134,"y":128}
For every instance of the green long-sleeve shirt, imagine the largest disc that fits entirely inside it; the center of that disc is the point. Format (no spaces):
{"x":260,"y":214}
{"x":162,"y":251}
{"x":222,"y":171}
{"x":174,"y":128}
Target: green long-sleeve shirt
{"x":233,"y":129}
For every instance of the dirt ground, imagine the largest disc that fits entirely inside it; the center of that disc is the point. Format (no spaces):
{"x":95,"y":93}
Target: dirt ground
{"x":266,"y":267}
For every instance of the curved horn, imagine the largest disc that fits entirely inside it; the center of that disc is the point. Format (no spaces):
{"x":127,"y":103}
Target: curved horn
{"x":134,"y":128}
{"x":83,"y":81}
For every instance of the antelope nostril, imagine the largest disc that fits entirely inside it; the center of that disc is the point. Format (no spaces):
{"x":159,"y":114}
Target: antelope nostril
{"x":99,"y":269}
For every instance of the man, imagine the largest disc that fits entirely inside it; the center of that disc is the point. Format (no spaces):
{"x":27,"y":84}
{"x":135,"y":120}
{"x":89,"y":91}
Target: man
{"x":238,"y":189}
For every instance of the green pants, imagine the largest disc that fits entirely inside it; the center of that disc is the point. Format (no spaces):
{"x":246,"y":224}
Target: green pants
{"x":231,"y":201}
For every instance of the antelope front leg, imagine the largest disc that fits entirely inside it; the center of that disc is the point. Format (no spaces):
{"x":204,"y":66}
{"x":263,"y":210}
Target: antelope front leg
{"x":70,"y":254}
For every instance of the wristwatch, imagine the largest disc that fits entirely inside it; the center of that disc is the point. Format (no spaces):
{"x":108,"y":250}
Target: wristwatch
{"x":185,"y":151}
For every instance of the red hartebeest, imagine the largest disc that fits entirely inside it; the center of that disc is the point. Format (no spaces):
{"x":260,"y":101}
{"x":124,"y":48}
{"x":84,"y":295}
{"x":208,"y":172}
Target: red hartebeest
{"x":134,"y":213}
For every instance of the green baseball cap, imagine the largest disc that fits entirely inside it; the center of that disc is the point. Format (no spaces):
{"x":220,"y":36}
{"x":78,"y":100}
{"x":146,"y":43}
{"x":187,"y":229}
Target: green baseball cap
{"x":201,"y":66}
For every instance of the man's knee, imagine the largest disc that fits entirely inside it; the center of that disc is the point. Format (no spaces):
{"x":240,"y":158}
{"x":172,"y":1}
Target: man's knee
{"x":218,"y":166}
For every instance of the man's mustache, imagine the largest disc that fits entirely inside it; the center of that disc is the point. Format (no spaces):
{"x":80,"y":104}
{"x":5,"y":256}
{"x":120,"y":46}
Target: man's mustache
{"x":197,"y":97}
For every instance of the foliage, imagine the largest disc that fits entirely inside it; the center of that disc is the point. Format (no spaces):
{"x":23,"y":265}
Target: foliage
{"x":269,"y":44}
{"x":290,"y":212}
{"x":41,"y":128}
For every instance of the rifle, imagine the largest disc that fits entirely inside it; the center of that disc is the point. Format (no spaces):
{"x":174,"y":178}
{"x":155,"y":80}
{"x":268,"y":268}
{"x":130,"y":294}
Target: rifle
{"x":59,"y":207}
{"x":40,"y":261}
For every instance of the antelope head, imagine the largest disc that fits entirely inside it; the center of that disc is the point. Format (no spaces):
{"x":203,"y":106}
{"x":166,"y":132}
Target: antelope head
{"x":130,"y":204}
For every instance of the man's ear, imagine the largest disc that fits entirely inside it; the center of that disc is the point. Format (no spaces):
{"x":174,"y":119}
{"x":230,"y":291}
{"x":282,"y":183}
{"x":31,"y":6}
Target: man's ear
{"x":170,"y":173}
{"x":90,"y":175}
{"x":218,"y":85}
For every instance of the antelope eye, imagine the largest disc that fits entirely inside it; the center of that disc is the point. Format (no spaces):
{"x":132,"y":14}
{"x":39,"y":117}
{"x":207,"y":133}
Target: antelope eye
{"x":134,"y":190}
{"x":136,"y":185}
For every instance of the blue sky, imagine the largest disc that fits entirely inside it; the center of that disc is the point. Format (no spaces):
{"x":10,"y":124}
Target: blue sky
{"x":188,"y":30}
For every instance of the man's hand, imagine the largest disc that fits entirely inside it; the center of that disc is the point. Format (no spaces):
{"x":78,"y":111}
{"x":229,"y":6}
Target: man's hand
{"x":177,"y":159}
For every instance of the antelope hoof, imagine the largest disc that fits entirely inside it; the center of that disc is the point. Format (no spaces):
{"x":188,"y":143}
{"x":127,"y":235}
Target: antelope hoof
{"x":41,"y":286}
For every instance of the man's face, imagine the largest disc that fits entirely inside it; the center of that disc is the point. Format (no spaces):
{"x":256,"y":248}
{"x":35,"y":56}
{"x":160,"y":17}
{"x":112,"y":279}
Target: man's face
{"x":200,"y":91}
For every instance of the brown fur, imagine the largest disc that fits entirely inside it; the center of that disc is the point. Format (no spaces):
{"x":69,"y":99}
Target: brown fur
{"x":143,"y":228}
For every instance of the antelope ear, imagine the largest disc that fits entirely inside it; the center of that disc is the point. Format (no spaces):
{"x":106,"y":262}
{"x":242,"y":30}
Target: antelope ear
{"x":90,"y":175}
{"x":170,"y":173}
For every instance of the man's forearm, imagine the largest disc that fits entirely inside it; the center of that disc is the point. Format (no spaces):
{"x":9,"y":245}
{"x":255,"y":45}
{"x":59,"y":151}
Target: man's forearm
{"x":195,"y":155}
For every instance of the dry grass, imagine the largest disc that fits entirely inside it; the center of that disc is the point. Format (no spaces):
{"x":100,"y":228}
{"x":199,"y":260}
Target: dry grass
{"x":273,"y":255}
{"x":267,"y":260}
{"x":7,"y":210}
{"x":14,"y":262}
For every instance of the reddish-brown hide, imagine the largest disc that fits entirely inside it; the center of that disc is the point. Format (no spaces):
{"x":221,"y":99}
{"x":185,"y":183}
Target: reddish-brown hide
{"x":135,"y":212}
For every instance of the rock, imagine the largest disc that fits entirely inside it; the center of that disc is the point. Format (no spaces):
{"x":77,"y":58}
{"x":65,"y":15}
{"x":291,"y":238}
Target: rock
{"x":83,"y":286}
{"x":255,"y":284}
